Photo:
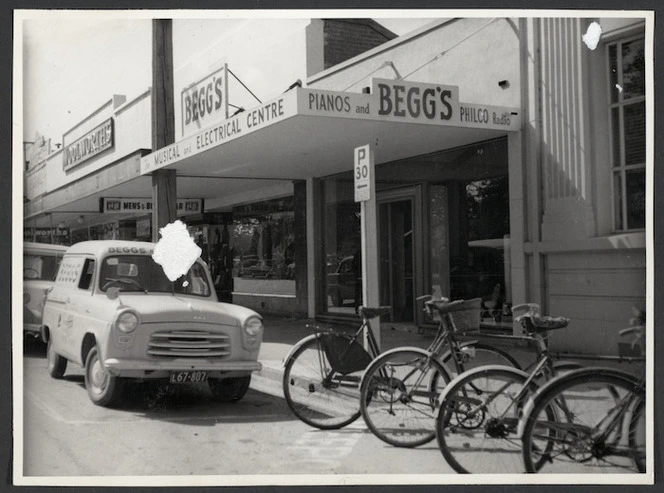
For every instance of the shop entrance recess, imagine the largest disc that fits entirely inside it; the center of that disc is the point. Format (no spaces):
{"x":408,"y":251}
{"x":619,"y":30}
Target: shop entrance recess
{"x":399,"y":237}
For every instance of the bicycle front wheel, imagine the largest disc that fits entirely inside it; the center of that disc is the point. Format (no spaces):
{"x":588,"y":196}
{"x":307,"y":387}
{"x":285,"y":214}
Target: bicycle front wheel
{"x":400,"y":390}
{"x":478,"y":419}
{"x":599,"y":425}
{"x":315,"y":393}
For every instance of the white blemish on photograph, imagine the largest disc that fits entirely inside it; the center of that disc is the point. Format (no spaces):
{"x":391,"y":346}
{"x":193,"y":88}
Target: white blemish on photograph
{"x":619,"y":87}
{"x":176,"y":251}
{"x":593,"y":33}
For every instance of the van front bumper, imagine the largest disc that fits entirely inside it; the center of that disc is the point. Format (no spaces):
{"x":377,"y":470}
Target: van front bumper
{"x":162,"y":369}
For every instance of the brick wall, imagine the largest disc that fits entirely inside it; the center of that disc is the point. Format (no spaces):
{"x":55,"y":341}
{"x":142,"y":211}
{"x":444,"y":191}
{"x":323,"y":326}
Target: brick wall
{"x":346,"y":38}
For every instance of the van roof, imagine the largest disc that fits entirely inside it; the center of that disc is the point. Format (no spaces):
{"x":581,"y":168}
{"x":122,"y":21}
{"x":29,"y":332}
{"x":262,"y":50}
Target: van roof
{"x":34,"y":247}
{"x":100,"y":247}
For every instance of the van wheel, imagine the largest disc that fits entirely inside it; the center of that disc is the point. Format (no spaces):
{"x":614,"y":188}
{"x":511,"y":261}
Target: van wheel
{"x":57,"y":365}
{"x":103,"y":388}
{"x":229,"y":389}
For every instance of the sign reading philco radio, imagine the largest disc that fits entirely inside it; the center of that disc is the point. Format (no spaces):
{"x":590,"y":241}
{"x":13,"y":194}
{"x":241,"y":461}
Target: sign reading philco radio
{"x":205,"y":101}
{"x":123,"y":205}
{"x":92,"y":143}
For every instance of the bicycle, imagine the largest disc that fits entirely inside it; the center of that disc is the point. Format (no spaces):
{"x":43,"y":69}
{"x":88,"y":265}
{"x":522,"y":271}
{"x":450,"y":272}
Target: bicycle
{"x":400,"y":388}
{"x":322,"y":373}
{"x":477,"y":423}
{"x":321,"y":381}
{"x":590,"y":420}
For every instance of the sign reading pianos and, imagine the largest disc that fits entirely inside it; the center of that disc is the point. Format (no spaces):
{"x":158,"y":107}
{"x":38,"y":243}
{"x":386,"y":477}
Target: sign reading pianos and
{"x":127,"y":205}
{"x":87,"y":146}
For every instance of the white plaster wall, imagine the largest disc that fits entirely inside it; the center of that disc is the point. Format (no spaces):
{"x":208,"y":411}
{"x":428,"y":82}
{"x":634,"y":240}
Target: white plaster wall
{"x":478,"y":54}
{"x":254,"y":51}
{"x":597,"y":291}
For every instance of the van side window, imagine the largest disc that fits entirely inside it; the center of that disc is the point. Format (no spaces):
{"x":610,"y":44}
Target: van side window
{"x":88,"y":273}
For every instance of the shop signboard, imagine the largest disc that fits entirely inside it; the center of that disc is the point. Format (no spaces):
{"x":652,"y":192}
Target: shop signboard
{"x":89,"y":145}
{"x":205,"y":101}
{"x":57,"y":236}
{"x":128,"y":205}
{"x":268,"y":113}
{"x":407,"y":102}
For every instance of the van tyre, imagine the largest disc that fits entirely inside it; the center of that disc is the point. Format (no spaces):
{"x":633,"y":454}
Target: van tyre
{"x":103,"y":388}
{"x":57,"y":365}
{"x":229,"y":389}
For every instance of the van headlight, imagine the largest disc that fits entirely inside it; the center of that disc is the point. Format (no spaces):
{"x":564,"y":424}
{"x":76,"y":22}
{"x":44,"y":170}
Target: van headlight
{"x":126,"y":322}
{"x":251,"y":333}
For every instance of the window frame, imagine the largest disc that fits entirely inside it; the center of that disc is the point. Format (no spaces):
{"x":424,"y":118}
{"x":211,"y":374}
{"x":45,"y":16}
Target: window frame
{"x":620,"y":224}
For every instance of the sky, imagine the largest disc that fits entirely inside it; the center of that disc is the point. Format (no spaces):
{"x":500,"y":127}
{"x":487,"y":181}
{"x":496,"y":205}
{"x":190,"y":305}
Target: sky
{"x":71,"y":66}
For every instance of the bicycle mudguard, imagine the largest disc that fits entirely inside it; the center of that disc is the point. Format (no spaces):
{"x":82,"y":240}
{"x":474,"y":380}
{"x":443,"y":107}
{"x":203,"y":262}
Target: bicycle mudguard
{"x":479,"y":369}
{"x":413,"y":349}
{"x":448,"y":351}
{"x":297,"y":346}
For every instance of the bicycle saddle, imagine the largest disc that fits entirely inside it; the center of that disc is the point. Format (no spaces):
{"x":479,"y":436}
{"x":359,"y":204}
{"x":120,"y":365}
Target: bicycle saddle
{"x":373,"y":312}
{"x":536,"y":323}
{"x":447,"y":306}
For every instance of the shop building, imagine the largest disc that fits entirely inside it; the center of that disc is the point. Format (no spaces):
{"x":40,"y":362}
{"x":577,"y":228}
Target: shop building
{"x":509,"y":165}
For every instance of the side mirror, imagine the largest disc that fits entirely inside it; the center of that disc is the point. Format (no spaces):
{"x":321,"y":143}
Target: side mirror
{"x":113,"y":293}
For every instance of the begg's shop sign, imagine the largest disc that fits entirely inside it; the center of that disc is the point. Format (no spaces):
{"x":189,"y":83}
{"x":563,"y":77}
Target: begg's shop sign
{"x":205,"y":102}
{"x":92,"y":143}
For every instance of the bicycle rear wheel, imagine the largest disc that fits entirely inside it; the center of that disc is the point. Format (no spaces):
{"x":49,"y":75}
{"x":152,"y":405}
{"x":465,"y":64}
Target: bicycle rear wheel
{"x":478,"y":419}
{"x":318,"y":395}
{"x":400,"y":390}
{"x":599,"y":425}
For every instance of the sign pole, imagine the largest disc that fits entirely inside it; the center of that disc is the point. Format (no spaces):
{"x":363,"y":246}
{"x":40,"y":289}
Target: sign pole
{"x":365,"y":185}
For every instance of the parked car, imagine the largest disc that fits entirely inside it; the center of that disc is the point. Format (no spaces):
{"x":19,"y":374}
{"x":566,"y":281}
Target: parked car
{"x":113,"y":311}
{"x":40,"y":266}
{"x":342,"y":281}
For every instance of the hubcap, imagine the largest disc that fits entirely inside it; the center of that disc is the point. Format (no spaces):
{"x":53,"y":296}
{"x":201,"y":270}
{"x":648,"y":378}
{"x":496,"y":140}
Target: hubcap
{"x":98,"y":376}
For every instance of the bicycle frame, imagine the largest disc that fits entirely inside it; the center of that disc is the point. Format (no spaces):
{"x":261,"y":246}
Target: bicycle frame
{"x":543,"y":363}
{"x":340,"y":379}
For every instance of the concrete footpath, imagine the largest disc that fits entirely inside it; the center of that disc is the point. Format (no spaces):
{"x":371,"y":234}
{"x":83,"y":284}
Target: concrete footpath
{"x":283,"y":332}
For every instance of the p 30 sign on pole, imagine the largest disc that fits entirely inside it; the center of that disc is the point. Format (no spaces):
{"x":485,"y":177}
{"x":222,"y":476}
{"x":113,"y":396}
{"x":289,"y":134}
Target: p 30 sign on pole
{"x":362,"y":173}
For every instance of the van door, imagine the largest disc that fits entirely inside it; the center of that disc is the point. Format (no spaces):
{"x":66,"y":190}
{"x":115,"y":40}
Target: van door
{"x":58,"y":315}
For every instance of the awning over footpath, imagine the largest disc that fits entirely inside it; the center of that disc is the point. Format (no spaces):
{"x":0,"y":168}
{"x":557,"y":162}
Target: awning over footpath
{"x":312,"y":133}
{"x":301,"y":134}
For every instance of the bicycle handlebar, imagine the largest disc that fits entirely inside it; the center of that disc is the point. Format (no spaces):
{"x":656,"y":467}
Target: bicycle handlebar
{"x":629,"y":330}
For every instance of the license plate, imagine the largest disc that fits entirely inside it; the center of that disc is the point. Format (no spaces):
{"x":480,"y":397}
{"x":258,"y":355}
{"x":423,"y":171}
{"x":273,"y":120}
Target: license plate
{"x":188,"y":376}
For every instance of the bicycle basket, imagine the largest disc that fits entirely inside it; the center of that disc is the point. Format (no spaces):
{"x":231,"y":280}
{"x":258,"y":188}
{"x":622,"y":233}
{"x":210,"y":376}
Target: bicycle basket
{"x":467,"y":316}
{"x":345,"y":354}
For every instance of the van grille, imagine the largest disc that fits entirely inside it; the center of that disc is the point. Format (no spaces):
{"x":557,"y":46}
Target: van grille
{"x":189,"y":344}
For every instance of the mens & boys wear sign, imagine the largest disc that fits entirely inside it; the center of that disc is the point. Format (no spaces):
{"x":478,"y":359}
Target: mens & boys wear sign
{"x":389,"y":101}
{"x":124,"y":205}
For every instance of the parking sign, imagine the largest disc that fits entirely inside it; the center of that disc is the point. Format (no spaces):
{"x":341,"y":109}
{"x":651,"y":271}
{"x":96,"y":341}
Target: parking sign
{"x":362,"y":173}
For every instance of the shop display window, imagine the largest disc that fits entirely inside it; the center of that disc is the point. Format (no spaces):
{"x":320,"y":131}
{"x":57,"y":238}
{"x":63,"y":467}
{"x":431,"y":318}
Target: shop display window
{"x":342,"y":245}
{"x":479,"y":244}
{"x":262,"y":240}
